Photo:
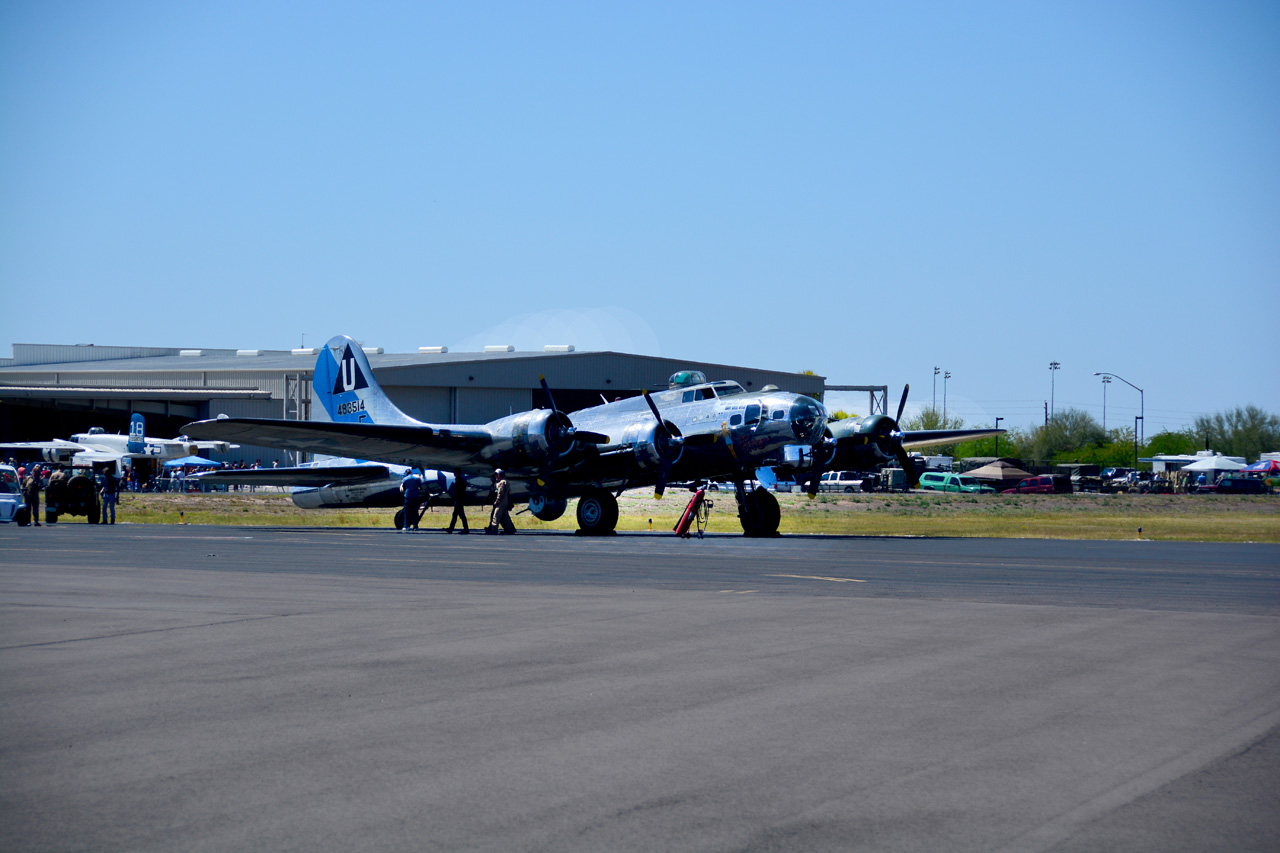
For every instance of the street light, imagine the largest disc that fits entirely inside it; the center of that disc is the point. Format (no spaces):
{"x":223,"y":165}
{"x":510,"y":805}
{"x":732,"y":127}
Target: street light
{"x":945,"y":377}
{"x":1053,"y":367}
{"x":936,"y":371}
{"x":1142,"y":402}
{"x":1106,"y":380}
{"x":998,"y":420}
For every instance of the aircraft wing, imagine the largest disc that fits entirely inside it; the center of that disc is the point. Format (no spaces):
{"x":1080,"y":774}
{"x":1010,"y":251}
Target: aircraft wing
{"x":314,"y":476}
{"x":912,"y":439}
{"x":435,"y":447}
{"x":57,"y":444}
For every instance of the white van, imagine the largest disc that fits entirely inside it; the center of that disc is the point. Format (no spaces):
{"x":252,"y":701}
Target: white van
{"x":13,"y":506}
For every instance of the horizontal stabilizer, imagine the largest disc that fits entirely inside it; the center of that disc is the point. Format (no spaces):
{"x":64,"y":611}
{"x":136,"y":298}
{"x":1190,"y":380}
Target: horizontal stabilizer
{"x":312,"y":475}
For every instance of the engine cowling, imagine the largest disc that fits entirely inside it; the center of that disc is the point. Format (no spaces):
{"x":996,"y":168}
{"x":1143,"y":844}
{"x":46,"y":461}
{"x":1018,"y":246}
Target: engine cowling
{"x":652,"y":447}
{"x":531,"y":439}
{"x":57,"y":454}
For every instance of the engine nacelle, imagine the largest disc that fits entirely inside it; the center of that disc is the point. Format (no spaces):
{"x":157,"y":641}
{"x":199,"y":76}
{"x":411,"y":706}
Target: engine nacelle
{"x":651,"y":447}
{"x":57,"y":454}
{"x":530,"y":439}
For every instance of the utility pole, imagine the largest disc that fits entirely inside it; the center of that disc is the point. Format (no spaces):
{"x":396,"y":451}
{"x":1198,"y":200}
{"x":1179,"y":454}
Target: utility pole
{"x":1046,"y":412}
{"x":1106,"y":380}
{"x":1054,"y":367}
{"x":998,"y":420}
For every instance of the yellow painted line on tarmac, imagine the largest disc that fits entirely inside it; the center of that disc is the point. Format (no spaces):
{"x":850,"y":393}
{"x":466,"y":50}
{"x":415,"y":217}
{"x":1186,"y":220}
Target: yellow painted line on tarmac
{"x":819,"y":578}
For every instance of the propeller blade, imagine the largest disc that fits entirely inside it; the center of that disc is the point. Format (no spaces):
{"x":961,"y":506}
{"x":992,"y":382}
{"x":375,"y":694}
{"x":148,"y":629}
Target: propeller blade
{"x":653,"y":407}
{"x":902,"y":404}
{"x":589,"y":437}
{"x":546,"y":389}
{"x":908,"y":467}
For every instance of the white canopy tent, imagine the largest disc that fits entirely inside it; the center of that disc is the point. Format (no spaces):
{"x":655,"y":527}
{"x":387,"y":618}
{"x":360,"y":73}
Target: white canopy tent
{"x":1212,"y":465}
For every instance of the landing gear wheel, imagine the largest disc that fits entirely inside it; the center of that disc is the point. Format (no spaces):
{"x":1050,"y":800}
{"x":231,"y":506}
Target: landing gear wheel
{"x":597,"y":512}
{"x":760,"y":514}
{"x":399,"y":519}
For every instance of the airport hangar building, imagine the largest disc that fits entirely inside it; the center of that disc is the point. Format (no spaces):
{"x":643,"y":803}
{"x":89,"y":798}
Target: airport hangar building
{"x":52,"y":390}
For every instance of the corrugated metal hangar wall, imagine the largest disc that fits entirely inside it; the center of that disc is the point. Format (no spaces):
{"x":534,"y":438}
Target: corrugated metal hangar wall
{"x":51,"y":391}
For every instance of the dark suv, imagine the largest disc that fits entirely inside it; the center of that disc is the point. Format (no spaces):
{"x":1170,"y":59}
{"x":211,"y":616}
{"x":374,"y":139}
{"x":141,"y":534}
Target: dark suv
{"x":1046,"y":484}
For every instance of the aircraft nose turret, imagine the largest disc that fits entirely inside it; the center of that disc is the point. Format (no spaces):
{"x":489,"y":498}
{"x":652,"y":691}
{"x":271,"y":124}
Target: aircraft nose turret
{"x":808,"y":419}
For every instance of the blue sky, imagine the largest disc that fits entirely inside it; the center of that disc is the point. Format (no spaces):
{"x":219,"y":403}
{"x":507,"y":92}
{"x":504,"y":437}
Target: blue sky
{"x":866,"y":190}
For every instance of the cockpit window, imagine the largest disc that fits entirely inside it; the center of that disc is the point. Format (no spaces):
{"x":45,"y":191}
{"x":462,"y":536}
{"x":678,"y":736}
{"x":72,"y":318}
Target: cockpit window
{"x":807,"y":419}
{"x":687,"y":396}
{"x":728,"y":389}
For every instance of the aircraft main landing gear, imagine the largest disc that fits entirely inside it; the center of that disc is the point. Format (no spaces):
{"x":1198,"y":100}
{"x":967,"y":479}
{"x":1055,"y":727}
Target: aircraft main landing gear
{"x":758,"y":511}
{"x":597,"y":513}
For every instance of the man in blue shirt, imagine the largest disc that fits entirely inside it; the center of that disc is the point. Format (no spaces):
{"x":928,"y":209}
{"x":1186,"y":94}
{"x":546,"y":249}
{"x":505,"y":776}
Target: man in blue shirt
{"x":411,"y":486}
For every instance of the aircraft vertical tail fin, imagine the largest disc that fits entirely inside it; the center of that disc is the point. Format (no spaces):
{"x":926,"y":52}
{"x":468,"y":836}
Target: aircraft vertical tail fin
{"x":137,"y":442}
{"x":344,"y":386}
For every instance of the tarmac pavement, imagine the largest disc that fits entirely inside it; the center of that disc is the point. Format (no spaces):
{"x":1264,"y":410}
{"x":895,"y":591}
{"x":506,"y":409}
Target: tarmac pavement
{"x":211,"y":688}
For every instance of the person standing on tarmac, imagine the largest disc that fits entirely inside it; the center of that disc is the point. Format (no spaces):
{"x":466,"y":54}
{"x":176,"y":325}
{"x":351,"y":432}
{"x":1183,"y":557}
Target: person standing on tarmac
{"x":502,"y":502}
{"x":110,"y":488}
{"x":31,"y":492}
{"x":411,"y":486}
{"x":459,"y":492}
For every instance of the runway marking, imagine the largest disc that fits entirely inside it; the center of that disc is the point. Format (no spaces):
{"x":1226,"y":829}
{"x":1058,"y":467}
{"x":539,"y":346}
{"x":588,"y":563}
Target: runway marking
{"x":819,"y":578}
{"x":739,"y":591}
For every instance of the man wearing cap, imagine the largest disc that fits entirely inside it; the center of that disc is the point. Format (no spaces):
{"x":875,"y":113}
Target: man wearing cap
{"x":502,"y":502}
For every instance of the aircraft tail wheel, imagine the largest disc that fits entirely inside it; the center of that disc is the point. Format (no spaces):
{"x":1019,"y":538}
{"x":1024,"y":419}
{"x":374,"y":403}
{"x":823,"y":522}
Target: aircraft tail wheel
{"x":760,"y":514}
{"x":597,"y":512}
{"x":399,"y":519}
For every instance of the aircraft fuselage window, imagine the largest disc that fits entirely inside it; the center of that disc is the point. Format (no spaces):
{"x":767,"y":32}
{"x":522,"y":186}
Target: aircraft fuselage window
{"x":778,"y":414}
{"x":687,"y":396}
{"x":753,"y":414}
{"x":736,"y":420}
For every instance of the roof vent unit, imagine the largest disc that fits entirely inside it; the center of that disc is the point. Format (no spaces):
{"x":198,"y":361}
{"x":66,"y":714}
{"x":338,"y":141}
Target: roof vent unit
{"x":499,"y":348}
{"x":248,"y":352}
{"x":433,"y":350}
{"x":372,"y":350}
{"x":558,"y":348}
{"x":190,"y":353}
{"x":305,"y":350}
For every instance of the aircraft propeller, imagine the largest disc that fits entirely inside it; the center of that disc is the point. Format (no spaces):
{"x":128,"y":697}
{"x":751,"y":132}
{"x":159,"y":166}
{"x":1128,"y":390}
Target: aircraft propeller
{"x":670,"y":442}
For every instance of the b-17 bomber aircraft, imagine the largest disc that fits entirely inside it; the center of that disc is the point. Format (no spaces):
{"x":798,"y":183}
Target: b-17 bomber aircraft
{"x":693,"y":430}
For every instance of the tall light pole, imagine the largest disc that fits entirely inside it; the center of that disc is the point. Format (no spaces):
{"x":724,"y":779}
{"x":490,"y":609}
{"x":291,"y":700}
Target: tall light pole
{"x":1054,"y":367}
{"x":998,"y":420}
{"x":1106,"y":380}
{"x":936,"y":371}
{"x":1135,"y":440}
{"x":945,"y":377}
{"x":1142,"y":401}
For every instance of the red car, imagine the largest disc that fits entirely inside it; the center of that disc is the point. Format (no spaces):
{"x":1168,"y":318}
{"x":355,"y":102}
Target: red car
{"x":1045,"y":484}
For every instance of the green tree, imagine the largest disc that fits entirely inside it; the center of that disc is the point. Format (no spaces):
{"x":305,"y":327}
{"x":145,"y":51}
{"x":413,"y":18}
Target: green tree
{"x":1067,"y":433}
{"x":1243,"y":431}
{"x":1171,"y":444}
